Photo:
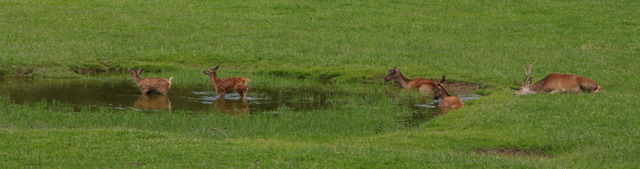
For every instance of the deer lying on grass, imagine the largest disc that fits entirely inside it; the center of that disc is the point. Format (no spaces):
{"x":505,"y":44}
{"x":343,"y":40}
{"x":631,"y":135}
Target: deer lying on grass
{"x":423,"y":85}
{"x":555,"y":83}
{"x":148,"y":85}
{"x":448,"y":101}
{"x":226,"y":85}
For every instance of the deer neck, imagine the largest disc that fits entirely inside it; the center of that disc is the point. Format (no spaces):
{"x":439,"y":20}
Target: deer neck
{"x":137,"y":78}
{"x":214,"y":80}
{"x":403,"y":81}
{"x":537,"y":87}
{"x":443,"y":93}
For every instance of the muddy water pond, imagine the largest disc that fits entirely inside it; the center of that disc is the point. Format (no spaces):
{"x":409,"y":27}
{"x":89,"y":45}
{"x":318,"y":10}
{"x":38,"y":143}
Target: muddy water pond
{"x":122,"y":94}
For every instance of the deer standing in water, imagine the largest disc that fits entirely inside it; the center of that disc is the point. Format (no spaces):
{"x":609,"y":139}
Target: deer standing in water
{"x":555,"y":83}
{"x":226,"y":85}
{"x":148,"y":85}
{"x":448,"y":101}
{"x":423,"y":85}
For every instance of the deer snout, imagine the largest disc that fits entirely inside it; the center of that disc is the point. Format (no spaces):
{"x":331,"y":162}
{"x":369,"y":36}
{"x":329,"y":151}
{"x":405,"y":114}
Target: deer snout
{"x":387,"y":78}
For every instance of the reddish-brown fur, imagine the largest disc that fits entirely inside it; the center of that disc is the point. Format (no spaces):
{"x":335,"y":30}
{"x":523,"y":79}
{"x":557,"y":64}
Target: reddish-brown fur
{"x":448,"y":101}
{"x":557,"y":83}
{"x":226,"y":85}
{"x":148,"y":85}
{"x":423,"y":85}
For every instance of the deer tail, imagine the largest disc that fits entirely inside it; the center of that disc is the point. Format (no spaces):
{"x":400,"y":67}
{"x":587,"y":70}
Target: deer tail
{"x":170,"y":79}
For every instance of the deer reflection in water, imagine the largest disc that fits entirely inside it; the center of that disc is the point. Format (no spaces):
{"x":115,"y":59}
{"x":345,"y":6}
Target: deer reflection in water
{"x":153,"y":102}
{"x":235,"y":107}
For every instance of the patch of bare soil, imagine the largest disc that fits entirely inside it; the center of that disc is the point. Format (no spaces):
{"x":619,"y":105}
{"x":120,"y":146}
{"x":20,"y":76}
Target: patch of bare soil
{"x":516,"y":152}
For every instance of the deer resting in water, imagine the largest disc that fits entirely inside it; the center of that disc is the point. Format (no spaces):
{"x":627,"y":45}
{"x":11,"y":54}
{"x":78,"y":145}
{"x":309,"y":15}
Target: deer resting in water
{"x":555,"y":83}
{"x":226,"y":85}
{"x":448,"y":101}
{"x":423,"y":85}
{"x":148,"y":85}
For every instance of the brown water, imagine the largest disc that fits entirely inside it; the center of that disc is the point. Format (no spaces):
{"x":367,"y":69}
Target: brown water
{"x":122,"y":94}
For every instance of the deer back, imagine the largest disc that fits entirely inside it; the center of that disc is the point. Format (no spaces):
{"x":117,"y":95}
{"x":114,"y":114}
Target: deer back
{"x":557,"y":82}
{"x":232,"y":84}
{"x":451,"y":102}
{"x":158,"y":84}
{"x":420,"y":83}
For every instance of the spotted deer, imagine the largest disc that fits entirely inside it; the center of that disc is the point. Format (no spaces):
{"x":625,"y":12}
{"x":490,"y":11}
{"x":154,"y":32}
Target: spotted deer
{"x":556,"y":83}
{"x":448,"y":101}
{"x":226,"y":85}
{"x":423,"y":85}
{"x":148,"y":85}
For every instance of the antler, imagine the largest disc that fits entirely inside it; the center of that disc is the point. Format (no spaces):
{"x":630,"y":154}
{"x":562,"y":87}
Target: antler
{"x":526,"y":77}
{"x":526,"y":80}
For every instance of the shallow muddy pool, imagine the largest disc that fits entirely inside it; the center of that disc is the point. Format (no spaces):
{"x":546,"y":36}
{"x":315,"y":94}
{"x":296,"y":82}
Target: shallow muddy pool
{"x":122,"y":94}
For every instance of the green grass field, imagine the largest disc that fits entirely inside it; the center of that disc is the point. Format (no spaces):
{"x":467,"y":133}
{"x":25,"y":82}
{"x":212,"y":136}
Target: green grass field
{"x":348,"y":43}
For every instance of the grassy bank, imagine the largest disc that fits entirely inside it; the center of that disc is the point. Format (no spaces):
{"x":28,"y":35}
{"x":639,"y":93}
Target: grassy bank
{"x":347,"y":42}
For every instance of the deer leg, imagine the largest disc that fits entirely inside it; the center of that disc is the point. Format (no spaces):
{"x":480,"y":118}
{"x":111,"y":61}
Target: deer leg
{"x":241,"y":93}
{"x":589,"y":89}
{"x":246,"y":91}
{"x":555,"y":91}
{"x":162,"y":91}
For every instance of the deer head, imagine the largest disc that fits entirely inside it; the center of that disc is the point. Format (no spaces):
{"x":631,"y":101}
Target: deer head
{"x":135,"y":73}
{"x":212,"y":72}
{"x":525,"y":86}
{"x":393,"y":74}
{"x":439,"y":92}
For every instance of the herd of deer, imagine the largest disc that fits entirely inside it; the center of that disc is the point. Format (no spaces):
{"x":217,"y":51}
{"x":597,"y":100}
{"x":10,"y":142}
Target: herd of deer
{"x":222,"y":86}
{"x":552,"y":83}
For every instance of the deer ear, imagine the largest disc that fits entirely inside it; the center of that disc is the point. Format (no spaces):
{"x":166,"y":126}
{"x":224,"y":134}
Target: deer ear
{"x":443,"y":79}
{"x":139,"y":69}
{"x":394,"y":70}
